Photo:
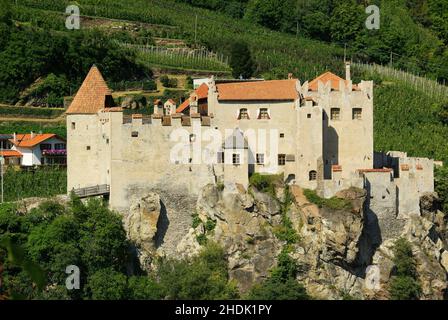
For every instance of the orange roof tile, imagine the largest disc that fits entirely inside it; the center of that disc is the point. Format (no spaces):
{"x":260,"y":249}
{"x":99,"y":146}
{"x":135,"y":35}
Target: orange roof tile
{"x":183,"y":106}
{"x":261,"y":90}
{"x":201,"y":92}
{"x":325,"y":78}
{"x":158,"y":101}
{"x":91,"y":96}
{"x":10,"y":154}
{"x":27,"y":141}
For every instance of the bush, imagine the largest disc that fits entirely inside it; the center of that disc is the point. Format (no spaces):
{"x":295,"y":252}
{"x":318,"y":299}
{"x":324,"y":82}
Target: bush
{"x":168,"y":82}
{"x":265,"y":182}
{"x":334,"y":203}
{"x":404,"y":284}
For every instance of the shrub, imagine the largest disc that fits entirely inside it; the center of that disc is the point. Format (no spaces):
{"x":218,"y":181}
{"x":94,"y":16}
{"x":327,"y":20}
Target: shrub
{"x":196,"y":221}
{"x":404,"y":284}
{"x":334,"y":203}
{"x":265,"y":182}
{"x":168,"y":82}
{"x":210,"y":225}
{"x":201,"y":239}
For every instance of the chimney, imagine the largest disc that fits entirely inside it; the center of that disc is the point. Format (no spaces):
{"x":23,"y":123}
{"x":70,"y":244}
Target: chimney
{"x":290,"y":75}
{"x":32,"y":135}
{"x":14,"y":137}
{"x":347,"y":72}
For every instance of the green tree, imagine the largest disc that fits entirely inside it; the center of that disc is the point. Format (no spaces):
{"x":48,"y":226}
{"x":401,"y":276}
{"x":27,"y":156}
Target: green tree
{"x":241,"y":61}
{"x":107,"y":284}
{"x":282,"y":283}
{"x":404,"y":284}
{"x":203,"y":278}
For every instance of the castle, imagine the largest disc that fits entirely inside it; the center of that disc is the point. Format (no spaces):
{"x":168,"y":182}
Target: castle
{"x":317,"y":134}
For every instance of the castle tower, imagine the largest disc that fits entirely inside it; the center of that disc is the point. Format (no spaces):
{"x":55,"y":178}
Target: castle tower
{"x":88,"y":148}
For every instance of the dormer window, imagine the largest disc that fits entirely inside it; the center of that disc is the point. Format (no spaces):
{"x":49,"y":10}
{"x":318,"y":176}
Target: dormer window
{"x":264,"y":114}
{"x":243,"y":115}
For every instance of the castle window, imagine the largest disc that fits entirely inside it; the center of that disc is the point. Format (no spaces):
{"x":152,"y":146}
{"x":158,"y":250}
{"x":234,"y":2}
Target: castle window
{"x":244,"y":115}
{"x":281,"y":159}
{"x":308,"y":115}
{"x":282,"y":135}
{"x":335,"y":114}
{"x":264,"y":114}
{"x":88,"y":148}
{"x":236,"y":159}
{"x":313,"y":175}
{"x":73,"y":125}
{"x":192,"y":137}
{"x":357,"y":113}
{"x":134,"y":134}
{"x":260,"y":158}
{"x":220,"y":157}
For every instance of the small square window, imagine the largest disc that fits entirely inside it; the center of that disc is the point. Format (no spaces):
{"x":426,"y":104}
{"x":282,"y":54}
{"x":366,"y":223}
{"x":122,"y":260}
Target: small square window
{"x":88,"y":147}
{"x":73,"y":125}
{"x":281,"y":159}
{"x":357,"y":114}
{"x":236,"y":159}
{"x":308,"y":115}
{"x":134,"y":134}
{"x":335,"y":114}
{"x":107,"y":141}
{"x":282,"y":135}
{"x":260,"y":158}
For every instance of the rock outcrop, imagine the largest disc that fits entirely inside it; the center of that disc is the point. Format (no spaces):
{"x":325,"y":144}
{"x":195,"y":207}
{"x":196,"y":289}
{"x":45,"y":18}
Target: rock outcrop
{"x":340,"y":250}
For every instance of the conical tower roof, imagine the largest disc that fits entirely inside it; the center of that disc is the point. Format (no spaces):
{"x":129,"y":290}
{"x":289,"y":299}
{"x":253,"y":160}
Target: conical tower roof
{"x":91,"y":96}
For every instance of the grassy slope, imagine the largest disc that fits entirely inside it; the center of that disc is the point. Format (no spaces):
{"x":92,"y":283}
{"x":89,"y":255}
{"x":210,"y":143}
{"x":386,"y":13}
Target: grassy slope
{"x":405,"y":118}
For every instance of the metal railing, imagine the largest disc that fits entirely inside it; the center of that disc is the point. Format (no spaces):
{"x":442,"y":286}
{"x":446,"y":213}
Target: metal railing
{"x":98,"y":190}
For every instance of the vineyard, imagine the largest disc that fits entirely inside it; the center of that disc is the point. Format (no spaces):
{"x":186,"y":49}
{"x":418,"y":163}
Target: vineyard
{"x":180,"y":58}
{"x":30,"y":112}
{"x":41,"y":182}
{"x":25,"y":127}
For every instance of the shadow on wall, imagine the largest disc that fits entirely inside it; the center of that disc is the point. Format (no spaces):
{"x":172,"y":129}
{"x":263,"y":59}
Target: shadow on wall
{"x":162,"y":225}
{"x":330,"y":147}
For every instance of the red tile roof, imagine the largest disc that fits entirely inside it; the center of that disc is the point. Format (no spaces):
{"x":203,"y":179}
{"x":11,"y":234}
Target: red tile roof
{"x":27,"y":141}
{"x":183,"y":106}
{"x":325,"y":78}
{"x":274,"y":90}
{"x":201,"y":92}
{"x":10,"y":154}
{"x":375,"y":170}
{"x":91,"y":96}
{"x":171,"y":101}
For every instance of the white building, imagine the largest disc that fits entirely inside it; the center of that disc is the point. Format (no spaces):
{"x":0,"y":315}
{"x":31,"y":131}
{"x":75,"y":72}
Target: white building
{"x":39,"y":149}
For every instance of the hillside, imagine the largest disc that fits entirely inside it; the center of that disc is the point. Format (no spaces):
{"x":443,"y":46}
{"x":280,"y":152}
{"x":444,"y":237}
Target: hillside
{"x":406,"y":117}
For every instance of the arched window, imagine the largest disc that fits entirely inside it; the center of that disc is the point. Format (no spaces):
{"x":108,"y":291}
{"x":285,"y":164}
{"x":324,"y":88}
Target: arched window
{"x":313,"y":175}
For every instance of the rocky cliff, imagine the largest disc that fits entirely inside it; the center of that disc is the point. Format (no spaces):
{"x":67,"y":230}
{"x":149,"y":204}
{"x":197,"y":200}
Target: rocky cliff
{"x":342,"y":252}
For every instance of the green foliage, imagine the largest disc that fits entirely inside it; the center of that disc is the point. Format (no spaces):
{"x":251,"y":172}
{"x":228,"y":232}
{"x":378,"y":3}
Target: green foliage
{"x":334,"y":203}
{"x":25,"y":126}
{"x":282,"y":283}
{"x":144,"y":288}
{"x":441,"y":186}
{"x":404,"y":284}
{"x":107,"y":284}
{"x":265,"y":182}
{"x":51,"y":90}
{"x":38,"y":182}
{"x":210,"y":225}
{"x":205,"y":277}
{"x":31,"y":112}
{"x":202,"y":239}
{"x":241,"y":61}
{"x":196,"y":221}
{"x":168,"y":82}
{"x":285,"y":231}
